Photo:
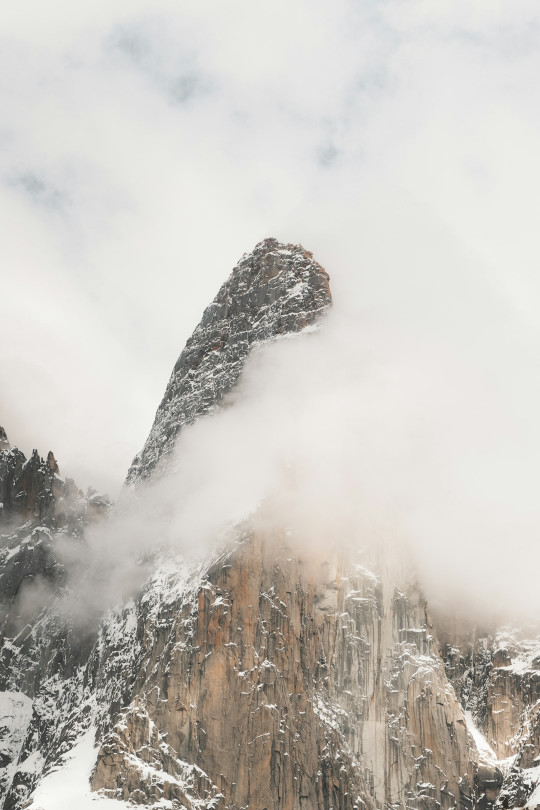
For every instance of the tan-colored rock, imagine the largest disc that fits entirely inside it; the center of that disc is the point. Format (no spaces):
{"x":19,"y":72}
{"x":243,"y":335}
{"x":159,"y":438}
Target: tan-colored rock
{"x":294,"y":689}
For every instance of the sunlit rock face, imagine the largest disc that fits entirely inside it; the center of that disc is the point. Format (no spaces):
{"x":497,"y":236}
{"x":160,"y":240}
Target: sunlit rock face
{"x":30,"y":488}
{"x":291,"y":688}
{"x":264,"y":675}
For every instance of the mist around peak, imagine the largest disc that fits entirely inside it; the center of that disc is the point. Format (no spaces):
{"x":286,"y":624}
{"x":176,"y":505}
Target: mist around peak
{"x":359,"y":434}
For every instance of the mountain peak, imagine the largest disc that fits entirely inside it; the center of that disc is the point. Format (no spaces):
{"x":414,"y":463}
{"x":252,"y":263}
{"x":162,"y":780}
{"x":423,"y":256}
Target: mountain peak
{"x":4,"y":441}
{"x":275,"y":290}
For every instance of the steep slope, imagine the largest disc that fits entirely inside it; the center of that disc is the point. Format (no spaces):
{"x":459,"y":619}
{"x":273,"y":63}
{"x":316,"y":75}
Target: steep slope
{"x":496,"y":673}
{"x":35,"y":502}
{"x":288,"y":689}
{"x":284,"y":689}
{"x":42,"y":515}
{"x":257,"y":676}
{"x":276,"y":290}
{"x":76,"y":676}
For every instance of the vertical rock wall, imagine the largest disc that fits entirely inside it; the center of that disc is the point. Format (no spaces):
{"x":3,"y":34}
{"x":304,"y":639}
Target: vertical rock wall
{"x":293,"y":689}
{"x":251,"y":679}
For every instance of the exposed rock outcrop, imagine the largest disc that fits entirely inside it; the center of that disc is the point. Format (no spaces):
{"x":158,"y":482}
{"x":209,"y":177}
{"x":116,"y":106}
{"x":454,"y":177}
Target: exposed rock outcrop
{"x":496,"y":672}
{"x":277,"y":289}
{"x":39,"y":648}
{"x":292,"y":690}
{"x":36,"y":503}
{"x":252,"y":677}
{"x":4,"y":441}
{"x":30,"y":488}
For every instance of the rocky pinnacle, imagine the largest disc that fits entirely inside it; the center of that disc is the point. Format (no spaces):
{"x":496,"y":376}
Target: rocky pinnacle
{"x":4,"y":441}
{"x":277,"y":289}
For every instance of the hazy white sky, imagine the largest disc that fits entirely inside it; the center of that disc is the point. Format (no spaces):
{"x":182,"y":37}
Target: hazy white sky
{"x":145,"y":146}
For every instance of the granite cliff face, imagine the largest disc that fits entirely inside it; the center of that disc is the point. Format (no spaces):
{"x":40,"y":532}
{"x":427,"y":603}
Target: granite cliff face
{"x":292,"y":689}
{"x":276,"y":290}
{"x":496,"y":673}
{"x":257,"y":676}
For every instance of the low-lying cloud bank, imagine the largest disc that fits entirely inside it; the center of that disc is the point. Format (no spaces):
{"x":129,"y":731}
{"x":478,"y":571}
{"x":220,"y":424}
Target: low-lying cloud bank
{"x":358,"y":434}
{"x":145,"y":150}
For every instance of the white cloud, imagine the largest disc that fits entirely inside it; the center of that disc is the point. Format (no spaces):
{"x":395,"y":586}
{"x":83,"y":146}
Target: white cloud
{"x":397,"y":140}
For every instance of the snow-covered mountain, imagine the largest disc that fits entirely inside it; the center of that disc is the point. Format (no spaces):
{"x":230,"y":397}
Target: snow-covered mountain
{"x":251,"y":677}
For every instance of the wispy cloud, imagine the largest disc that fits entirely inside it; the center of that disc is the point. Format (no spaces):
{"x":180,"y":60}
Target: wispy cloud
{"x":171,"y":70}
{"x":38,"y":190}
{"x":397,"y":140}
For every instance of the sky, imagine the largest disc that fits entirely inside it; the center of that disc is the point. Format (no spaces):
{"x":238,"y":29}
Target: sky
{"x":145,"y":147}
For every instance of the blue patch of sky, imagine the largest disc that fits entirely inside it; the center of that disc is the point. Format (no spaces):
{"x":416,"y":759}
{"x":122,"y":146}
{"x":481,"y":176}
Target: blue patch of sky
{"x":180,"y":80}
{"x":37,"y":190}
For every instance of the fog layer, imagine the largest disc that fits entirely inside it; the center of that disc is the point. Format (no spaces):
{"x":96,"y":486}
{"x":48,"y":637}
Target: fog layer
{"x":360,"y":434}
{"x":144,"y":150}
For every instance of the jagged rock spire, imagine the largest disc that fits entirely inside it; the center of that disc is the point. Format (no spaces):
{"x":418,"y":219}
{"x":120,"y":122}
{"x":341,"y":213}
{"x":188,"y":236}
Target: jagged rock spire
{"x":4,"y":441}
{"x":275,"y":290}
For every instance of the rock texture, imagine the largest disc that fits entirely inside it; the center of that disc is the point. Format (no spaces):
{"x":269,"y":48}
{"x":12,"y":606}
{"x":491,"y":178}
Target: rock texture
{"x":291,"y":690}
{"x":30,"y":487}
{"x":278,"y":289}
{"x":253,"y":677}
{"x":496,"y":672}
{"x":40,"y":650}
{"x":35,"y":501}
{"x":4,"y":441}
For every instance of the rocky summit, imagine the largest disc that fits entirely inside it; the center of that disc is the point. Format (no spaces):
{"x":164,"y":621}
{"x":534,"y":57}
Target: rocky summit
{"x":252,"y":677}
{"x":275,"y":290}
